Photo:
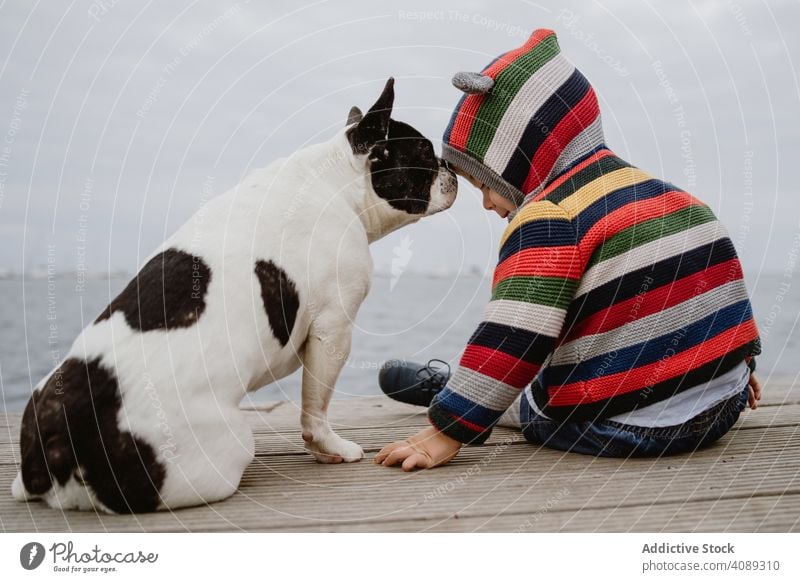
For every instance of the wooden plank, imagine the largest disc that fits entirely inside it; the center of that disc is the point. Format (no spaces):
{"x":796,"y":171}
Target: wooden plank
{"x":775,"y":513}
{"x":779,"y":391}
{"x":374,"y":438}
{"x":294,"y":492}
{"x":755,"y":468}
{"x":291,"y":443}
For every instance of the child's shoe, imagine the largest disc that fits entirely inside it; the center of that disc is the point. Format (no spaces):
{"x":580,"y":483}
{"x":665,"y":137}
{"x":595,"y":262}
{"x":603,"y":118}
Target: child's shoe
{"x":413,"y":383}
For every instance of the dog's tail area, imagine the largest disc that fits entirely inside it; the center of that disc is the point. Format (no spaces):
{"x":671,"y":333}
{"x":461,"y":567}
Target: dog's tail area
{"x":74,"y":453}
{"x":44,"y":446}
{"x":18,"y":489}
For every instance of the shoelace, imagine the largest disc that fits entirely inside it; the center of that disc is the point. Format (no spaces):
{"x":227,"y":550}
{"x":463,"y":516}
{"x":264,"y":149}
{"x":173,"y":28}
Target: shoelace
{"x":435,"y":376}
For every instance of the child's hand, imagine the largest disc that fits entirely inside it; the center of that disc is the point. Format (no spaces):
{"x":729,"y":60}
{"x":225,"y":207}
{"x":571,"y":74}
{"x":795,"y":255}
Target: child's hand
{"x":426,"y":449}
{"x":755,"y":392}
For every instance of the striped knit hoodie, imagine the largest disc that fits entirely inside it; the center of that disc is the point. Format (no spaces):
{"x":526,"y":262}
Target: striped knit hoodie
{"x":614,"y":290}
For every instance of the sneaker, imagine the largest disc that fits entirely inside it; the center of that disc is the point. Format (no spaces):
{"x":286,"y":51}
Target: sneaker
{"x":413,"y":383}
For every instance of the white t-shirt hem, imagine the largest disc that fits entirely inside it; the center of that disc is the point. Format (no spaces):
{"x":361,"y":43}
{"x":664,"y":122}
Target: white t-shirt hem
{"x":681,"y":407}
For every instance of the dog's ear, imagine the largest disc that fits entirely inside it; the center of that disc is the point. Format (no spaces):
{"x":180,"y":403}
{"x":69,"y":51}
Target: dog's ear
{"x":354,"y":116}
{"x":374,"y":126}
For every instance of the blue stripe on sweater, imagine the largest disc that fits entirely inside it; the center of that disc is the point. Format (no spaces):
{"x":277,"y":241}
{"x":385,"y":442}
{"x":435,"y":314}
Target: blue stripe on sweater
{"x":653,"y":349}
{"x":546,"y":232}
{"x":524,"y":345}
{"x":465,"y":408}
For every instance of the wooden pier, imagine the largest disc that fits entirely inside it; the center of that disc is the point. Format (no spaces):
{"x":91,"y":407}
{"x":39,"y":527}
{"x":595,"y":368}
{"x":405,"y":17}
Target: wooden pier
{"x":747,"y":482}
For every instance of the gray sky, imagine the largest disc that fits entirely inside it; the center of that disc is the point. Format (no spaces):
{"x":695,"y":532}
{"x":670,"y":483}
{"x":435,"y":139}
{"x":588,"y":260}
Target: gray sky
{"x":116,"y":119}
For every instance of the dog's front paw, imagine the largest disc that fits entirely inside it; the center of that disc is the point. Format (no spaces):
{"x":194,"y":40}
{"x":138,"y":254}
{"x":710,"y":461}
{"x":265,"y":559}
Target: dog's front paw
{"x":332,"y":448}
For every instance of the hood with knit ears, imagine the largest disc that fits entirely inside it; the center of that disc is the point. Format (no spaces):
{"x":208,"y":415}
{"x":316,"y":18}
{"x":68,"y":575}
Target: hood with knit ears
{"x":525,"y":118}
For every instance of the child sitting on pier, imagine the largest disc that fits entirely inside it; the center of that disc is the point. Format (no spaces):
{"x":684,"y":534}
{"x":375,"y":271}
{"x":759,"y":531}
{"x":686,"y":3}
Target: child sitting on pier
{"x":619,"y":323}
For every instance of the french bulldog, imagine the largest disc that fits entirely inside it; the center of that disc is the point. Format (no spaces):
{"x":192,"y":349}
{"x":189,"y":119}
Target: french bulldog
{"x":143,"y":413}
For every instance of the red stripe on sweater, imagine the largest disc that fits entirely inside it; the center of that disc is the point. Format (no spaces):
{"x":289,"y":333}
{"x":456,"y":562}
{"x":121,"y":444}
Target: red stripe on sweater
{"x":572,"y":171}
{"x":470,"y":425}
{"x":631,"y":214}
{"x":463,"y":123}
{"x":540,"y":262}
{"x":469,"y":109}
{"x":651,"y":374}
{"x":498,"y":366}
{"x":582,"y":116}
{"x":657,"y":300}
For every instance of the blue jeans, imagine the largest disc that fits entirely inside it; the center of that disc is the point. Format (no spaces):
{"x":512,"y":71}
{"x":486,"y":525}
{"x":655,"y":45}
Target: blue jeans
{"x":606,"y":438}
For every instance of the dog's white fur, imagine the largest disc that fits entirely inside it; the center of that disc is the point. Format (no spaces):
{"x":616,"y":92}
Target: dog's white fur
{"x":314,"y":215}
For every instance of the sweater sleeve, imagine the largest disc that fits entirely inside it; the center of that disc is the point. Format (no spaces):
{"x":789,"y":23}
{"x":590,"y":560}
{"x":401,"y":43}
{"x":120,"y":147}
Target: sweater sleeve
{"x":534,"y":282}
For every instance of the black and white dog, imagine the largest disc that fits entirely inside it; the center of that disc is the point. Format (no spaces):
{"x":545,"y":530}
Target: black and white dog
{"x":143,"y":413}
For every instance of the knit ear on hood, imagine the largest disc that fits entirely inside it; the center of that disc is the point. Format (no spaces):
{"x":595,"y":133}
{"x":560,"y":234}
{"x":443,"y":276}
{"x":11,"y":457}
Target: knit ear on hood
{"x":526,"y":117}
{"x":473,"y":82}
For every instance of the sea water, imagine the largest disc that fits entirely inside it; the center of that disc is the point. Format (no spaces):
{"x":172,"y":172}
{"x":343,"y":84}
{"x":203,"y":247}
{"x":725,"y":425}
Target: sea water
{"x":412,"y":316}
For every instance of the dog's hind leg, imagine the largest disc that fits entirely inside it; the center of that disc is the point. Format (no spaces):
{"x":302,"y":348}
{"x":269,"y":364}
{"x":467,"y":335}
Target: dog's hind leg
{"x":325,"y":354}
{"x":18,"y":490}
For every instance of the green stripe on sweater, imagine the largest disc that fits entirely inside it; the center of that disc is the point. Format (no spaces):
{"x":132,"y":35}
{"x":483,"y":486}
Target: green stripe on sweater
{"x":550,"y":291}
{"x":511,"y":79}
{"x":651,"y":230}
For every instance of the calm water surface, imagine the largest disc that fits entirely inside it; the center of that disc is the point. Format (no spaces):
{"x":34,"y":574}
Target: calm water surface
{"x":420,"y":317}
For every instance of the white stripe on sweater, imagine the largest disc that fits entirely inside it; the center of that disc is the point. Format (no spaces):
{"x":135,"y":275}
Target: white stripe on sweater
{"x":482,"y":390}
{"x":650,"y":253}
{"x":529,"y":316}
{"x":657,"y":324}
{"x":681,"y":407}
{"x":587,"y":140}
{"x":531,"y":96}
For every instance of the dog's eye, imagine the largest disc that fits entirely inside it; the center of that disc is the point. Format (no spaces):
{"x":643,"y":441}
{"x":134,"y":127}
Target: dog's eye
{"x":379,"y":152}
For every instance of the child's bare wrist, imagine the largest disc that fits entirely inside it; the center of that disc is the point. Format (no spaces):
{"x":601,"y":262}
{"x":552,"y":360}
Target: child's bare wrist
{"x":450,"y":440}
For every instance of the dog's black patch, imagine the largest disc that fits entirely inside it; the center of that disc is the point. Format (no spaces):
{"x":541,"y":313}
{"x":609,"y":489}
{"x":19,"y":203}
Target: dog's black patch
{"x":280,"y":298}
{"x":169,"y":292}
{"x":403,"y":176}
{"x":374,"y":126}
{"x":70,"y":428}
{"x":404,"y":164}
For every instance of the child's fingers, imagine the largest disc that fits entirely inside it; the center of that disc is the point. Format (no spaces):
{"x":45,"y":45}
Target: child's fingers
{"x":380,"y":456}
{"x":755,"y":392}
{"x":756,"y":386}
{"x":385,"y":451}
{"x":416,"y":460}
{"x":752,"y":402}
{"x":397,"y":455}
